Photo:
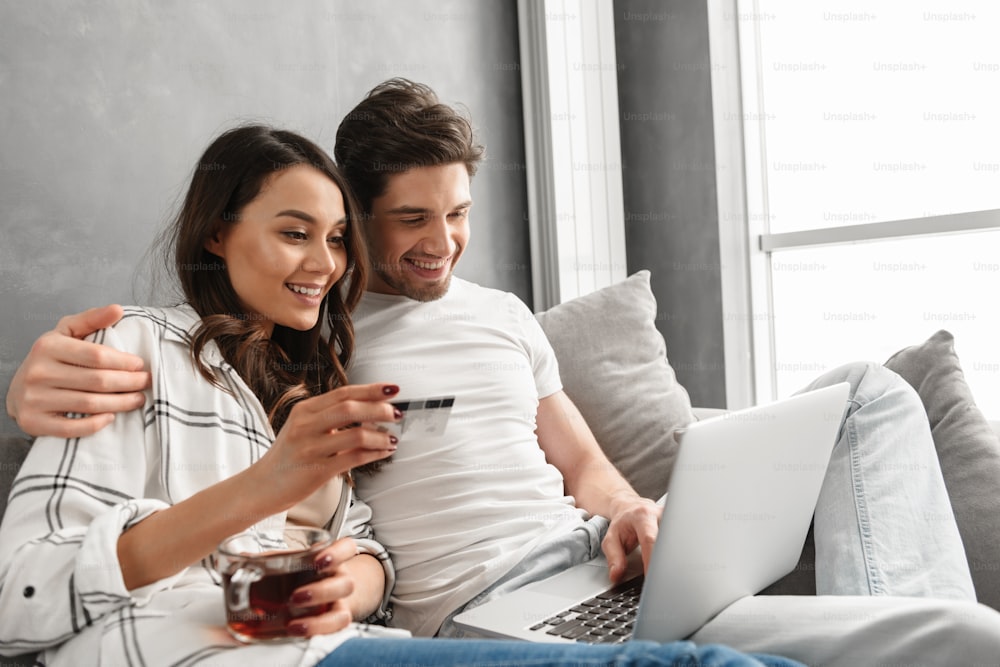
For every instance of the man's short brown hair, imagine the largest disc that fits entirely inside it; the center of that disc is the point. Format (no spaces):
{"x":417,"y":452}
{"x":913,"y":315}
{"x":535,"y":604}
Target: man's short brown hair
{"x":398,"y":126}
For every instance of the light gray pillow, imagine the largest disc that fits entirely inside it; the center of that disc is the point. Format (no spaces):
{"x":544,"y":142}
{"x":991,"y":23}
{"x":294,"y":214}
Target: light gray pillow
{"x":969,"y":451}
{"x":613,"y":363}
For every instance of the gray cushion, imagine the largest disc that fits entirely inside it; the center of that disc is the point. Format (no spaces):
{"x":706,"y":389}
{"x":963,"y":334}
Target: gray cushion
{"x":968,"y":449}
{"x":13,"y":448}
{"x":613,"y":363}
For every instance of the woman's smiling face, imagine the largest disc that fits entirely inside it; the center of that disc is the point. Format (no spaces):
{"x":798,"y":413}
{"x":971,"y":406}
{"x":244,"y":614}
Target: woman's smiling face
{"x":287,"y":249}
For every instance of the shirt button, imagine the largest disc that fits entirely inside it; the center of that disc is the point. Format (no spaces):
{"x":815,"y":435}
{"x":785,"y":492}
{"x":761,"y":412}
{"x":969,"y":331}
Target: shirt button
{"x":29,"y":591}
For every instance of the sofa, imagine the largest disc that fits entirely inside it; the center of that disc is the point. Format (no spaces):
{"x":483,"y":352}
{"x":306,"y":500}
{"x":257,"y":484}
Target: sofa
{"x":615,"y":366}
{"x":607,"y":342}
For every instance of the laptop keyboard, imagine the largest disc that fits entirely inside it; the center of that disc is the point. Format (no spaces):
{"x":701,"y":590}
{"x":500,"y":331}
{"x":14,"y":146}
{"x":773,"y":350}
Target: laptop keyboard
{"x":607,"y":618}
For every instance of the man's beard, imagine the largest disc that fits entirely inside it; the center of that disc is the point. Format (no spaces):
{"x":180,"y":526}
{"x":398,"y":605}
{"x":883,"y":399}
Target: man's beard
{"x":424,"y":293}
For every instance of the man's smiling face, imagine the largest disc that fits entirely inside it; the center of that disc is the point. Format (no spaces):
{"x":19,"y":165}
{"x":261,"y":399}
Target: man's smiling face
{"x":418,"y":229}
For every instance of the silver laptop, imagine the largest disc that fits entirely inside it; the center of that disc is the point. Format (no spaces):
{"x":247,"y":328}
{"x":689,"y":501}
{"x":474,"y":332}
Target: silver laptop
{"x":741,"y":497}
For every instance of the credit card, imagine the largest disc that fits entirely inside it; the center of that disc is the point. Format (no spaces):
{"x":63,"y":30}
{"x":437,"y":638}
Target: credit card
{"x":422,"y":417}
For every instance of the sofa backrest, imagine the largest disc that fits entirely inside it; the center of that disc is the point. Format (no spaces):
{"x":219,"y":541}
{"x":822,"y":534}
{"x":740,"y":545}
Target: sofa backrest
{"x":13,"y":448}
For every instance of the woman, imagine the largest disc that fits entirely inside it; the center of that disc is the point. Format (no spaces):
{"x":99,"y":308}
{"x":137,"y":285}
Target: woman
{"x":249,"y":424}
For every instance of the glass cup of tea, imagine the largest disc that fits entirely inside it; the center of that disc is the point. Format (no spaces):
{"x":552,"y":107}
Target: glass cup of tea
{"x":259,"y":575}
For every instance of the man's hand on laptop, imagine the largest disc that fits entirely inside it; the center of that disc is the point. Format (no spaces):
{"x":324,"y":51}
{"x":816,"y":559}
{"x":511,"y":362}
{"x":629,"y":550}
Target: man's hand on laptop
{"x":635,"y":522}
{"x":63,"y":373}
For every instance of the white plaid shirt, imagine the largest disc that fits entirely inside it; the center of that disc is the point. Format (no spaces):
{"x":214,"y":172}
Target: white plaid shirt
{"x":61,"y":588}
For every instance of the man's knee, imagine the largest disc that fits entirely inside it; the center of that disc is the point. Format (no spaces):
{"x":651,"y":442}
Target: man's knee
{"x":870,"y":383}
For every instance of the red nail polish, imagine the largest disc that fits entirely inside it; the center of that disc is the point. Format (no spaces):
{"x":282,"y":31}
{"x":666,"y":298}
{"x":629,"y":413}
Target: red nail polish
{"x":298,"y":629}
{"x":393,"y":439}
{"x":390,"y":390}
{"x":301,"y":597}
{"x":324,"y":562}
{"x":397,"y":413}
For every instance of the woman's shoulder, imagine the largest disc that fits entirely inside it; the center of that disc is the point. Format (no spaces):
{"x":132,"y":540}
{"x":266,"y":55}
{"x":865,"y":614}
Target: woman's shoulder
{"x":145,"y":322}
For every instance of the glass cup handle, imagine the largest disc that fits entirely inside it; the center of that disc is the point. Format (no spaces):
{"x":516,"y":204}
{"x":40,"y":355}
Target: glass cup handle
{"x":239,"y":586}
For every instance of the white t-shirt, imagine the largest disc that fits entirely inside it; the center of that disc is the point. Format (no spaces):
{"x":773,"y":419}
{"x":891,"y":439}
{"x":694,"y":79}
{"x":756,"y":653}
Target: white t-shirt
{"x":458,"y":511}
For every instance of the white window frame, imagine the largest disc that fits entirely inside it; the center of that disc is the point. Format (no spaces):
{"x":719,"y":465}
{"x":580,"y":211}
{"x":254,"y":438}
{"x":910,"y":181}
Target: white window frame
{"x":736,"y":257}
{"x":576,"y":212}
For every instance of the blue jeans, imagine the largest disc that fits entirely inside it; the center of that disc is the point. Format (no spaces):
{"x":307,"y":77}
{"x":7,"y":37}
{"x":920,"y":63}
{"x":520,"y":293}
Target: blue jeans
{"x":501,"y":653}
{"x":884,"y":523}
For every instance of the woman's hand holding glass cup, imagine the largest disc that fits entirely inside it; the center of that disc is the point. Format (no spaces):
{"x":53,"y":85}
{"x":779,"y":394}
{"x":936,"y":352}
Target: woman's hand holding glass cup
{"x":276,"y":592}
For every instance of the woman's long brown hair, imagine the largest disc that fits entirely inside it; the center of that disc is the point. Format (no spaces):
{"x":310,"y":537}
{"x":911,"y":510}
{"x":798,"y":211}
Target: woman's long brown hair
{"x":289,"y":365}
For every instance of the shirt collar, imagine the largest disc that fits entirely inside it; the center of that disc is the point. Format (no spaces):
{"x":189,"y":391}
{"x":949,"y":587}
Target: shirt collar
{"x":181,"y":324}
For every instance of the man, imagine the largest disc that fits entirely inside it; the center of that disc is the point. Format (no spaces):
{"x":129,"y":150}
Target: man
{"x":518,"y":487}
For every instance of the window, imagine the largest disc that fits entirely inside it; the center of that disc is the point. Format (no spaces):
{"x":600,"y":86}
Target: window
{"x":872,"y":155}
{"x":569,"y":83}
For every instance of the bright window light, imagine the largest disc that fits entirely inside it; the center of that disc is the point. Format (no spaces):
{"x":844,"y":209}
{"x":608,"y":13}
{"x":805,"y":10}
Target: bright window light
{"x":873,"y":112}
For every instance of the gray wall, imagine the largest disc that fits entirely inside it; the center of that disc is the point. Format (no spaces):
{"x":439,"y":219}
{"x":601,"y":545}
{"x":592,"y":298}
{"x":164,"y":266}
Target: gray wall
{"x":671,"y":215}
{"x":107,"y":105}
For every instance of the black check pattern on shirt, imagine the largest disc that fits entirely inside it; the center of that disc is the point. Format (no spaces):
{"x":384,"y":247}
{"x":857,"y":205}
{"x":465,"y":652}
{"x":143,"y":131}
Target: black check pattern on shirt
{"x":189,"y":436}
